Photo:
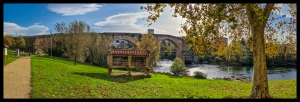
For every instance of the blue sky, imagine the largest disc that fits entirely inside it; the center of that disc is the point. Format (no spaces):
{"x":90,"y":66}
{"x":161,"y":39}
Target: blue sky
{"x":39,"y":19}
{"x":35,"y":19}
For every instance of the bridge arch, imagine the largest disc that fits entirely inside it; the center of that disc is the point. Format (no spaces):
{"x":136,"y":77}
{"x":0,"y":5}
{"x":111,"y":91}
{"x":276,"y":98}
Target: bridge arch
{"x":176,"y":42}
{"x":130,"y":40}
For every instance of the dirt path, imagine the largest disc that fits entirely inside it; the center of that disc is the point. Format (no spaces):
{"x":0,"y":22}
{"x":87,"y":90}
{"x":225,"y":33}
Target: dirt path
{"x":17,"y":78}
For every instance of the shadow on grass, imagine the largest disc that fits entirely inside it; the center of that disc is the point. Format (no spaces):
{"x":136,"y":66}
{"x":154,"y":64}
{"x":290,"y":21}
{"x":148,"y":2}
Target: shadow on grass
{"x":104,"y":76}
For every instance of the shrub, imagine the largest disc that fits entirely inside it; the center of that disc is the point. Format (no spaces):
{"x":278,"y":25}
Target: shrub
{"x":200,"y":75}
{"x":55,"y":52}
{"x":178,"y":66}
{"x":185,"y":73}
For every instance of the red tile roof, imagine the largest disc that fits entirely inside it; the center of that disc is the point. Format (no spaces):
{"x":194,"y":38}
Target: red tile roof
{"x":129,"y":52}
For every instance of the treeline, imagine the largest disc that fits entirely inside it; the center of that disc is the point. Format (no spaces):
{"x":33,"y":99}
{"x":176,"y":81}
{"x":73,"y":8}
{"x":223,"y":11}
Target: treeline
{"x":14,"y":42}
{"x":78,"y":43}
{"x":239,"y":53}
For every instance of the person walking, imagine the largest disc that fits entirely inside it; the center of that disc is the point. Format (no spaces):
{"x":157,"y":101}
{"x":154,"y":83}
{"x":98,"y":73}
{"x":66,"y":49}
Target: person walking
{"x":29,"y":54}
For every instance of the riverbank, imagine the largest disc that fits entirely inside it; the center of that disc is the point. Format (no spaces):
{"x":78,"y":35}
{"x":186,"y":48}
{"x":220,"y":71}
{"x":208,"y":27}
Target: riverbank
{"x":60,"y":78}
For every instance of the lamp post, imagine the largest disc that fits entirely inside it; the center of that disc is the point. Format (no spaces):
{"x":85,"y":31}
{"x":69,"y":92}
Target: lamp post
{"x":51,"y":43}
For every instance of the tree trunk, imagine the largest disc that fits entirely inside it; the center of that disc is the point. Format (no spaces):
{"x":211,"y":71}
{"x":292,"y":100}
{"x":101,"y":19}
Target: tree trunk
{"x":259,"y":80}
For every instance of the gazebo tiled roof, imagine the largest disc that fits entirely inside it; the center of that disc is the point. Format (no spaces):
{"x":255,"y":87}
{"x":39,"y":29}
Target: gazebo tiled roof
{"x":129,"y":52}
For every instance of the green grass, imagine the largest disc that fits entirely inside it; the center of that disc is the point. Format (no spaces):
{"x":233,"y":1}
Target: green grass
{"x":11,"y":56}
{"x":60,"y":78}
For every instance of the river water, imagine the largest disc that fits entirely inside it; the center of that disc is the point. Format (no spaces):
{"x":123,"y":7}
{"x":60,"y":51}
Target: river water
{"x":274,"y":73}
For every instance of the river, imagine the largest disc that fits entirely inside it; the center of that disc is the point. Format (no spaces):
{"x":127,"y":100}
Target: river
{"x":274,"y":73}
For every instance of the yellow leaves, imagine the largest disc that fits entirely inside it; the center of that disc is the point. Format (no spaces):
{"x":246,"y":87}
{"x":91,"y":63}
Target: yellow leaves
{"x":9,"y":40}
{"x":138,"y":44}
{"x":272,"y":50}
{"x":148,"y":42}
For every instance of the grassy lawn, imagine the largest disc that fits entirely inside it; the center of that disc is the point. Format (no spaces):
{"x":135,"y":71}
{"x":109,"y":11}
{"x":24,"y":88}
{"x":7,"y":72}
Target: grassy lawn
{"x":11,"y":56}
{"x":60,"y":78}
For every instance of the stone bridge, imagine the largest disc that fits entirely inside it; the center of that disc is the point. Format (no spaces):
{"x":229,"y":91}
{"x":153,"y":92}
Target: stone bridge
{"x":132,"y":38}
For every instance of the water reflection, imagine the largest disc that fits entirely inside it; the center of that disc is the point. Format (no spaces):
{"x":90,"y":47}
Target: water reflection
{"x":274,"y":73}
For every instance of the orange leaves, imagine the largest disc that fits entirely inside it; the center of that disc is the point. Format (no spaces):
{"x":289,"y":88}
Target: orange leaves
{"x":272,"y":50}
{"x":9,"y":40}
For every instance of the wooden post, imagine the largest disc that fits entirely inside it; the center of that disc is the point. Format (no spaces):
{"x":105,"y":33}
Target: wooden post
{"x":129,"y":60}
{"x":109,"y":71}
{"x":147,"y":62}
{"x":129,"y":65}
{"x":110,"y":60}
{"x":129,"y":70}
{"x":147,"y":71}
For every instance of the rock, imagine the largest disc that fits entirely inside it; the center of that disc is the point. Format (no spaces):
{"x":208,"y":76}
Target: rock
{"x":232,"y":76}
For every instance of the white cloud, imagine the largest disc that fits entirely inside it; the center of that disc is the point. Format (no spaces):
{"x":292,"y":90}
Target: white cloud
{"x":130,"y":22}
{"x":73,"y":9}
{"x":12,"y":28}
{"x":124,"y":22}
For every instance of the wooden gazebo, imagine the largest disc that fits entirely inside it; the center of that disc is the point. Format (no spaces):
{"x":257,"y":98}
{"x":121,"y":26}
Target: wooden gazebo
{"x":129,"y":59}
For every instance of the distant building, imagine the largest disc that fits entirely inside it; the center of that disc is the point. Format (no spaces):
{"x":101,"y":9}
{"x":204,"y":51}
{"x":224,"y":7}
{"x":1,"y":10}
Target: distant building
{"x":150,"y":31}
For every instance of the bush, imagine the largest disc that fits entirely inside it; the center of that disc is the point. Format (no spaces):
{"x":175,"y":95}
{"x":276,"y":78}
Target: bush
{"x":178,"y":66}
{"x":201,"y":59}
{"x":208,"y":58}
{"x":56,"y":52}
{"x":200,"y":75}
{"x":185,"y":73}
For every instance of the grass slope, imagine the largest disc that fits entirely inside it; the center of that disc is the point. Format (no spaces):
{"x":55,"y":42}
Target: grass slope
{"x":60,"y":78}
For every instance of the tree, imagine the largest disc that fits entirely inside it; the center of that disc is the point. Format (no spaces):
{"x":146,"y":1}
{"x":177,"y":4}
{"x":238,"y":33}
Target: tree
{"x":75,"y":38}
{"x":99,"y":49}
{"x":42,"y":43}
{"x":20,"y":42}
{"x":9,"y":40}
{"x":224,"y":51}
{"x":169,"y":49}
{"x":206,"y":23}
{"x":148,"y":42}
{"x":237,"y":50}
{"x":178,"y":66}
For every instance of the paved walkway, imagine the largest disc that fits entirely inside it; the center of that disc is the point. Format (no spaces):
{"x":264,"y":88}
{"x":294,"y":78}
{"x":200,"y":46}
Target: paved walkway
{"x":17,"y":78}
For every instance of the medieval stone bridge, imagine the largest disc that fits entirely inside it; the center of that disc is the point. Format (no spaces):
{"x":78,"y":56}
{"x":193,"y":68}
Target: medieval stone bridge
{"x":181,"y":46}
{"x":132,"y":38}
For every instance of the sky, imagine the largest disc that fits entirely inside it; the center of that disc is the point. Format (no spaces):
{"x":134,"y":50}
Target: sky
{"x":39,"y":19}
